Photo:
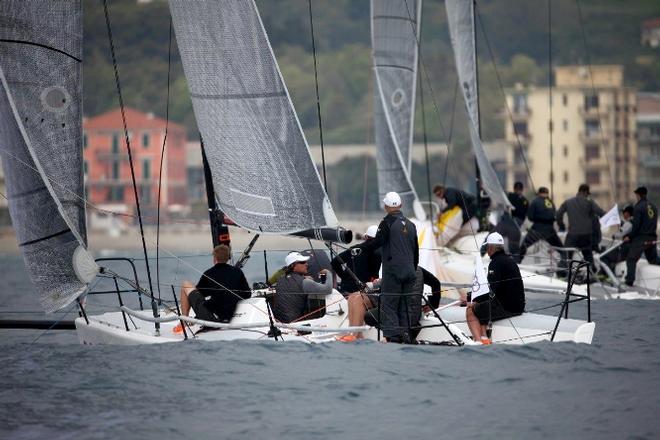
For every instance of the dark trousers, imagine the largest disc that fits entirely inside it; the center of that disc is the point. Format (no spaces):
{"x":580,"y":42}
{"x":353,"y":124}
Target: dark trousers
{"x":394,"y":303}
{"x":617,"y":255}
{"x":535,"y":234}
{"x":582,"y":242}
{"x":638,"y":245}
{"x":510,"y":230}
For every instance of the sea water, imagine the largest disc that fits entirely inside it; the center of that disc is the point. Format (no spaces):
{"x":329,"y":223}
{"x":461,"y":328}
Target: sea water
{"x":52,"y":387}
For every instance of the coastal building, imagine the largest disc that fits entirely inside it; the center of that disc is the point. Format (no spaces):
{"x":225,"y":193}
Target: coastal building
{"x":648,"y":142}
{"x":592,"y":118}
{"x":651,"y":33}
{"x":107,"y":170}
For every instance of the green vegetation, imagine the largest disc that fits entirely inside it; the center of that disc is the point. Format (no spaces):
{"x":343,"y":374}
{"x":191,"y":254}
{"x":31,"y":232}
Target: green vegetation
{"x":515,"y":30}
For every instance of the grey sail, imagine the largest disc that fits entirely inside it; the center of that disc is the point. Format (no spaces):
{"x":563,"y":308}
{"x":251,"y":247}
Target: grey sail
{"x":395,"y":36}
{"x":262,"y":171}
{"x":460,"y":16}
{"x":41,"y":143}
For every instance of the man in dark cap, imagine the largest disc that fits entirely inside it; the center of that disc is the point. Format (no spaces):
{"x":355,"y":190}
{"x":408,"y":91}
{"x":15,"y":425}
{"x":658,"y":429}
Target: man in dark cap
{"x":541,"y":213}
{"x":643,"y":236}
{"x":581,"y":211}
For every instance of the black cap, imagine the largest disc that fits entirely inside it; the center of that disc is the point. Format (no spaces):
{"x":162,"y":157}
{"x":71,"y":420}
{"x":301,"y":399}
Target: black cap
{"x":543,"y":190}
{"x":641,"y":190}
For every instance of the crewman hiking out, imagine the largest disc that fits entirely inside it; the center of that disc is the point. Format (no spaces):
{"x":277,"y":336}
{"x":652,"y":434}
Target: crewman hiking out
{"x":457,"y":216}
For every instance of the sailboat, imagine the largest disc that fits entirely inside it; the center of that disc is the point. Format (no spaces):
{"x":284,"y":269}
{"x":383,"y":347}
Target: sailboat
{"x":261,"y":169}
{"x":395,"y":39}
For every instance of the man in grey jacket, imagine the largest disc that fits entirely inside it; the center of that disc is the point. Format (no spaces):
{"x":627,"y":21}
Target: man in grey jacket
{"x":581,"y":211}
{"x":397,"y":236}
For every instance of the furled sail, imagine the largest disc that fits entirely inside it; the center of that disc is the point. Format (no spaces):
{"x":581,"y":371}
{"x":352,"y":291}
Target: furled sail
{"x":395,"y":36}
{"x":460,"y":16}
{"x":263,"y":174}
{"x":41,"y":143}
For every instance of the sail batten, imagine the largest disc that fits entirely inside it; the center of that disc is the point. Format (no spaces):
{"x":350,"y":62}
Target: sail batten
{"x":41,"y":143}
{"x":395,"y":36}
{"x":263,"y":174}
{"x":460,"y":17}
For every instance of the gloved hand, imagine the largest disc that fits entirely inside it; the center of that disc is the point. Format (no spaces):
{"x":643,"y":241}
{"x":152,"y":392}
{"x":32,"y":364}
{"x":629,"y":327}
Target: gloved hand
{"x":370,"y":285}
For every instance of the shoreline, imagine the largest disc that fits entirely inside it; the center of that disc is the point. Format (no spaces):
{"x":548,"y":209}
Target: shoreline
{"x":177,"y":239}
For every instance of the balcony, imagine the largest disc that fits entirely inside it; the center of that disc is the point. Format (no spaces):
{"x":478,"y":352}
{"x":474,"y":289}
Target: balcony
{"x":592,"y":113}
{"x":521,"y":113}
{"x":591,"y":137}
{"x":598,"y":163}
{"x":107,"y":156}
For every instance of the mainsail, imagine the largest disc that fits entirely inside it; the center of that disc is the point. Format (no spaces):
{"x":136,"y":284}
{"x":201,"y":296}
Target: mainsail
{"x":41,"y":143}
{"x":460,"y":16}
{"x":395,"y":36}
{"x":263,"y":174}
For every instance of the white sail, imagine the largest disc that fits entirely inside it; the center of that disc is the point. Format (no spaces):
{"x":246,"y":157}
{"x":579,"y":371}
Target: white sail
{"x":395,"y":36}
{"x":460,"y":16}
{"x":263,"y":174}
{"x":41,"y":143}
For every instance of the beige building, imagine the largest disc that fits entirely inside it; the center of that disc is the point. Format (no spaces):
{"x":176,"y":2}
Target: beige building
{"x":592,"y":118}
{"x":648,"y":140}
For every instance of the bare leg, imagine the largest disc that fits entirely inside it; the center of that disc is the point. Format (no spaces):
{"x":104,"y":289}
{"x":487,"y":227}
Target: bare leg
{"x":186,"y":288}
{"x":473,"y":323}
{"x":357,"y":307}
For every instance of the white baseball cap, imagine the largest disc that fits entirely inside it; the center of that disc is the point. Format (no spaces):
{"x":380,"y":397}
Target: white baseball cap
{"x":372,"y":231}
{"x":295,"y":257}
{"x":392,"y":200}
{"x":495,"y":238}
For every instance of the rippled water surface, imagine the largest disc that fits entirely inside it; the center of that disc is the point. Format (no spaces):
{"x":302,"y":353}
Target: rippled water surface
{"x":51,"y":387}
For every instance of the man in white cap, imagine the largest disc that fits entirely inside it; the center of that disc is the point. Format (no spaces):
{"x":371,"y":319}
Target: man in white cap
{"x":397,"y":236}
{"x":357,"y":269}
{"x":290,"y":300}
{"x":507,"y":294}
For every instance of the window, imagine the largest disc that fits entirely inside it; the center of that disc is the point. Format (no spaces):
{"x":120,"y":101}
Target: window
{"x":565,"y":124}
{"x":146,"y":169}
{"x":520,"y":128}
{"x":593,"y":177}
{"x":85,"y":168}
{"x":116,"y":194}
{"x":145,"y":194}
{"x":145,"y":140}
{"x":564,"y":99}
{"x":565,"y":150}
{"x":84,"y":140}
{"x":565,"y":176}
{"x":591,"y":128}
{"x":590,"y":101}
{"x":115,"y":143}
{"x":592,"y":152}
{"x":115,"y":170}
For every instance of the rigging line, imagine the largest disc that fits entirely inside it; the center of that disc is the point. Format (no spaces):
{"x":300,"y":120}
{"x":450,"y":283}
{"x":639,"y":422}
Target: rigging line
{"x":506,"y":103}
{"x":424,"y":136}
{"x":318,"y":100}
{"x":593,"y":91}
{"x":550,"y":125}
{"x":162,"y":157}
{"x":128,"y":147}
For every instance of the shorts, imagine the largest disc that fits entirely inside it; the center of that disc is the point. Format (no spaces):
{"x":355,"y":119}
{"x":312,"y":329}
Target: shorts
{"x":198,"y":304}
{"x":496,"y":312}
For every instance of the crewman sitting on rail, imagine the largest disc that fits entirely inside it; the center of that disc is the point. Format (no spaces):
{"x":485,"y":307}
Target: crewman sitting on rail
{"x":218,"y":291}
{"x":364,"y":265}
{"x":457,"y":214}
{"x":291,"y":292}
{"x":507,"y":294}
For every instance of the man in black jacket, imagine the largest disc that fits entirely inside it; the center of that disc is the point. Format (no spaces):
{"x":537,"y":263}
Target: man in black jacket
{"x":519,"y":202}
{"x":507,"y":294}
{"x":365,"y":265}
{"x":643,"y":236}
{"x":541,"y":213}
{"x":397,"y":236}
{"x":450,"y":198}
{"x":581,"y":211}
{"x":218,"y":290}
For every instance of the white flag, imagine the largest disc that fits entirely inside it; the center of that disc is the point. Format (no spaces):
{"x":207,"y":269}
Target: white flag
{"x":611,"y":218}
{"x":480,"y":280}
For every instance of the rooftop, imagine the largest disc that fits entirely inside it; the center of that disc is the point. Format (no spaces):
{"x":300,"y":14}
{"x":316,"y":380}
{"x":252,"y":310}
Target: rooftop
{"x":135,"y":119}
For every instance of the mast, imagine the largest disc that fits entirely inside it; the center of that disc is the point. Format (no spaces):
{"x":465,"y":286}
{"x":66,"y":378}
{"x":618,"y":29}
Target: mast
{"x":219,"y":231}
{"x":476,"y":74}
